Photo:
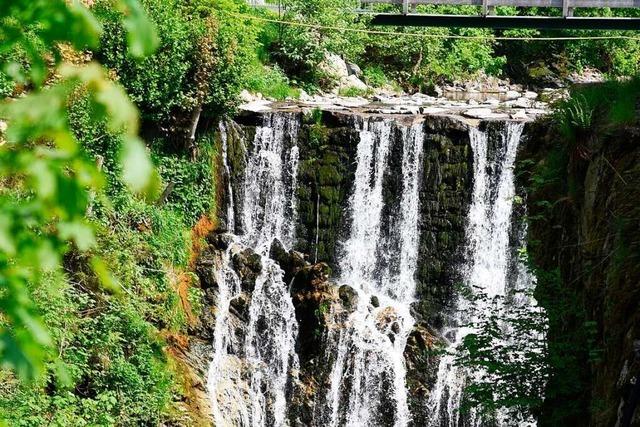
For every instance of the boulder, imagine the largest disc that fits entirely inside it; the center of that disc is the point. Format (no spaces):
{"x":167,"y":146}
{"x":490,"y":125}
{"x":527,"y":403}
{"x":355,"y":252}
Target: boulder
{"x":290,"y":262}
{"x":519,"y":115}
{"x":352,"y":81}
{"x":248,"y":265}
{"x":512,"y":94}
{"x":334,"y":66}
{"x":348,"y":296}
{"x":478,"y":113}
{"x":353,"y":69}
{"x":304,"y":96}
{"x":522,"y":103}
{"x":239,"y":306}
{"x":245,"y":96}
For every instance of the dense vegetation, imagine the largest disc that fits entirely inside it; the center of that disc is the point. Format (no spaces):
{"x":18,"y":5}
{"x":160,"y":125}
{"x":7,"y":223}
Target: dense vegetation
{"x":543,"y":364}
{"x":94,"y":266}
{"x":425,"y":56}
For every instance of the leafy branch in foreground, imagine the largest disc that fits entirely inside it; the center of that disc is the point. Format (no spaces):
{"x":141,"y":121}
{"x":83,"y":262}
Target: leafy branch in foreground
{"x":45,"y":175}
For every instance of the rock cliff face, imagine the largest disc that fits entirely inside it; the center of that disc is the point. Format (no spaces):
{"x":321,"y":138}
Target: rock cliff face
{"x":325,"y":145}
{"x":327,"y":142}
{"x":585,"y":240}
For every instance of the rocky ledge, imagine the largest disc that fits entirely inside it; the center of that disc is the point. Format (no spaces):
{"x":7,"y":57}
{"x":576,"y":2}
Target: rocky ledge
{"x":503,"y":103}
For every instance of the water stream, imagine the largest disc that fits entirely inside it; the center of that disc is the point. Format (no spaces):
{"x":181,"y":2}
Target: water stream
{"x":268,"y":213}
{"x":490,"y":258}
{"x":368,"y":376}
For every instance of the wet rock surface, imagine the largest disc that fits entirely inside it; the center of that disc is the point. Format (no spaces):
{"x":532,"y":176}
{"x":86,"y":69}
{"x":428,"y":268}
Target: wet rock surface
{"x":421,"y":354}
{"x":588,"y":240}
{"x":320,"y":306}
{"x":484,"y":103}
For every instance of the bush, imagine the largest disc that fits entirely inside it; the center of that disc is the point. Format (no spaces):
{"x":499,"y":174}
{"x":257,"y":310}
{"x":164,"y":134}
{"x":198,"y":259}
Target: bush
{"x":375,"y":76}
{"x":353,"y":92}
{"x":201,"y":61}
{"x":271,"y":82}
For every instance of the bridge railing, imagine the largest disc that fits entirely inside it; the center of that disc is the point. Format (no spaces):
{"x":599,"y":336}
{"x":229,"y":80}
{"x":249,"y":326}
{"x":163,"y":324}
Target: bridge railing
{"x":488,"y":6}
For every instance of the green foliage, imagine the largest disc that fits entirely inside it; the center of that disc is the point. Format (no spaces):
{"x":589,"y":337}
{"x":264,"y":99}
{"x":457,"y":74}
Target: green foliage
{"x":507,"y":354}
{"x":299,"y":50}
{"x":424,"y":57}
{"x":193,"y":193}
{"x":574,"y":116}
{"x":591,"y":109}
{"x":374,"y":76}
{"x":116,"y":370}
{"x":271,"y":82}
{"x":44,"y":163}
{"x":203,"y":56}
{"x":353,"y":91}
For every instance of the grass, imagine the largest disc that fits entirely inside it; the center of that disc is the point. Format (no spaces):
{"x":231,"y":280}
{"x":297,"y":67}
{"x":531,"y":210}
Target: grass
{"x":353,"y":92}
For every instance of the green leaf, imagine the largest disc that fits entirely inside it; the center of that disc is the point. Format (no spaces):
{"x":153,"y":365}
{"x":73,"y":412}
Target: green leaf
{"x":44,"y":180}
{"x":78,"y":231}
{"x":6,"y":239}
{"x":104,"y":275}
{"x":38,"y":331}
{"x":137,"y":168}
{"x":141,"y":32}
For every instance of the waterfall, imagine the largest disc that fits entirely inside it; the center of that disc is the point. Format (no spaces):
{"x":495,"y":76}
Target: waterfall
{"x":224,"y":138}
{"x":253,"y":373}
{"x":268,"y":213}
{"x":489,"y":258}
{"x":368,"y":375}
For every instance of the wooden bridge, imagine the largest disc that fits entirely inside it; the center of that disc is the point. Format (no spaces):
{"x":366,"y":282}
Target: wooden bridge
{"x":408,"y":15}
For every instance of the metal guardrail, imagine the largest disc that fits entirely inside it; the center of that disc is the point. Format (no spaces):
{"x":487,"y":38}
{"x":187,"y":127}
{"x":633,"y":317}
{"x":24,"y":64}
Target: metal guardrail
{"x":567,"y":6}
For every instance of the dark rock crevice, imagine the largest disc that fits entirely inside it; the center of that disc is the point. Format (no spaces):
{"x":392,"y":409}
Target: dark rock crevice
{"x":584,"y":237}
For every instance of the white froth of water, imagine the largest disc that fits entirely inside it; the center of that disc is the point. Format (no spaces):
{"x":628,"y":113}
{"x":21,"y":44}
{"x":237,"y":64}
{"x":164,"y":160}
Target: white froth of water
{"x":269,"y":210}
{"x":369,"y":370}
{"x":224,"y":137}
{"x":488,"y":228}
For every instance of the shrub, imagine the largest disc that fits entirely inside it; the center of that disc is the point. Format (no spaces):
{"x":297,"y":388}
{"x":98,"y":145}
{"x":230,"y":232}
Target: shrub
{"x":201,"y":61}
{"x":375,"y":76}
{"x":271,"y":82}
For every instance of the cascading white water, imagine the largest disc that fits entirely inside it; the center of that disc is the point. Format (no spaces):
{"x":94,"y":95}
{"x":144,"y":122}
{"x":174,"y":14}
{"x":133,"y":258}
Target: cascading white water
{"x":270,"y":179}
{"x":224,"y":137}
{"x":268,"y":213}
{"x":487,"y":270}
{"x":250,"y":376}
{"x":368,"y":375}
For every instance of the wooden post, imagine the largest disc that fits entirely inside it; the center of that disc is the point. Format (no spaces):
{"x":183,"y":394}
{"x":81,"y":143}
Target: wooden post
{"x":485,"y":7}
{"x":565,"y":8}
{"x":405,"y":7}
{"x":165,"y":194}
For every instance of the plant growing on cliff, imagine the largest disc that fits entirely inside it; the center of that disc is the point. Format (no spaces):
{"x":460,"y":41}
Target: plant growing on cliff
{"x":506,"y":356}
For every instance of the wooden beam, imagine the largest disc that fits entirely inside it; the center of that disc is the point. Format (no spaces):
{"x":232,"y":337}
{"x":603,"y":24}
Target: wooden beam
{"x":507,"y":22}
